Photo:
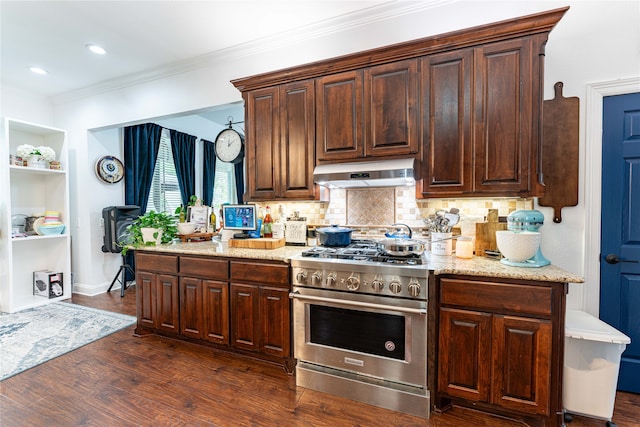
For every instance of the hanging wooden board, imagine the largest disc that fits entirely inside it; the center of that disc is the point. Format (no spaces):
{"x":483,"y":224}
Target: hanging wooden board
{"x":560,"y":150}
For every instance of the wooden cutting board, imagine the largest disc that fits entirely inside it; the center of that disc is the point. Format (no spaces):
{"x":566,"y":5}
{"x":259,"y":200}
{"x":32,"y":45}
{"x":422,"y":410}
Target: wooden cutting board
{"x":560,"y":149}
{"x":261,"y":243}
{"x":486,"y":233}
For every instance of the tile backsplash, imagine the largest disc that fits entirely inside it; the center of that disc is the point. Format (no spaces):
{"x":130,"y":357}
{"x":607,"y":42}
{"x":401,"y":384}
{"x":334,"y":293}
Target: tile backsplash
{"x":379,"y":207}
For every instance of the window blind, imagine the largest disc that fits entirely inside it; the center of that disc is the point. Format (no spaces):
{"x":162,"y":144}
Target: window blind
{"x":165,"y":192}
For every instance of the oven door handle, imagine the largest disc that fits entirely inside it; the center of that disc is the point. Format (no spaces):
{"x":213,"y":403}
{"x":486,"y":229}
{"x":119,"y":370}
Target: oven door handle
{"x":421,"y":311}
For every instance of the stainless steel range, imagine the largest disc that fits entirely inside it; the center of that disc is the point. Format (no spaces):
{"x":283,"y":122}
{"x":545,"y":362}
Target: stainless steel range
{"x":360,"y":325}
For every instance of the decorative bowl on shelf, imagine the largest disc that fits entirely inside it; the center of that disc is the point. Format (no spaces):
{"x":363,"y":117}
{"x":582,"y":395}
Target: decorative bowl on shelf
{"x":47,"y":229}
{"x":518,"y":246}
{"x":186,"y":228}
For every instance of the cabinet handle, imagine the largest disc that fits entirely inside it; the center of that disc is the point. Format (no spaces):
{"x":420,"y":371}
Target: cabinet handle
{"x":420,"y":311}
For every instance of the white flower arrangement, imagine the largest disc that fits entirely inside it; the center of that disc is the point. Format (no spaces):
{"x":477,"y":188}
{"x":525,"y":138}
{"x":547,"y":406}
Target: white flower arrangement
{"x":26,"y":150}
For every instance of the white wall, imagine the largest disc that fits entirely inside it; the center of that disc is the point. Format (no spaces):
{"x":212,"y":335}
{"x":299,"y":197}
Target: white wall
{"x":19,"y":104}
{"x":595,"y":41}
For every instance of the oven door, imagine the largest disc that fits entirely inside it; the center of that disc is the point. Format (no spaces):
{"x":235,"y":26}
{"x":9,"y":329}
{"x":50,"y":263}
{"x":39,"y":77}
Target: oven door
{"x":376,"y":336}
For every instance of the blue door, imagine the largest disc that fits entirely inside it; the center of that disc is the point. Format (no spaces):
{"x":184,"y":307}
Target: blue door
{"x":620,"y":239}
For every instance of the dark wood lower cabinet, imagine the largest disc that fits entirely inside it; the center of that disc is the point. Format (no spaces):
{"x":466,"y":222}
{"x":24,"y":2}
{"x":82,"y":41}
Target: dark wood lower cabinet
{"x":216,"y":311}
{"x":501,"y":347}
{"x":191,"y":308}
{"x":234,"y":305}
{"x":157,"y":293}
{"x":244,"y":316}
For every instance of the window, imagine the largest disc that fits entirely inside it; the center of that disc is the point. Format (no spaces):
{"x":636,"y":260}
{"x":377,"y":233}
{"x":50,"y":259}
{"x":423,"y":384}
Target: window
{"x":165,"y":191}
{"x":224,"y":190}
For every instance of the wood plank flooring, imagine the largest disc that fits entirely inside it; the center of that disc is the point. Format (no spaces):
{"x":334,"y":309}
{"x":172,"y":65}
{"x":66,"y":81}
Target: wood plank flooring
{"x":122,"y":380}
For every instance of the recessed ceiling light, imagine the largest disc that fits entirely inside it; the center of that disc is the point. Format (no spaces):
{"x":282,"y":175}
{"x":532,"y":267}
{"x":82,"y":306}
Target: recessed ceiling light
{"x":38,"y":70}
{"x":96,"y":49}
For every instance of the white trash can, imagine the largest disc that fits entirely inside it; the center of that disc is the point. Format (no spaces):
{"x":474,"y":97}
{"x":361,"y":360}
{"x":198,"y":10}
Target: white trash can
{"x":591,"y":365}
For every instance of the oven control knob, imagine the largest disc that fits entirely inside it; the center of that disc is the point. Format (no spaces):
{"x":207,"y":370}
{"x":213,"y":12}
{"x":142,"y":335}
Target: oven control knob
{"x":414,"y":288}
{"x":316,"y":279}
{"x":331,"y":280}
{"x":301,"y":277}
{"x":395,"y":286}
{"x":353,"y":282}
{"x":377,"y":284}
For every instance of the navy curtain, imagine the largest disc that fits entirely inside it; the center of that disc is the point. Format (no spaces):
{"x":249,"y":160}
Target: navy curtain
{"x":208,"y":171}
{"x":141,"y":144}
{"x":183,"y":148}
{"x":238,"y":170}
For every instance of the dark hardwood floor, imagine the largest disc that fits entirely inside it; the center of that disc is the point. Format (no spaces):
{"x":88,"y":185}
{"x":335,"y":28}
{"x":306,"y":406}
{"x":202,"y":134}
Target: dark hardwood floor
{"x":122,"y":380}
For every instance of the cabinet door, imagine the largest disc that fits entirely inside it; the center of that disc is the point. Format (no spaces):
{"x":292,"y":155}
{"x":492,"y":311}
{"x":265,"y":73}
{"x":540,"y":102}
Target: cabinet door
{"x":244,"y":317}
{"x":275,"y":321}
{"x":504,"y":110}
{"x":339,"y":117}
{"x":297,"y":140}
{"x":447,"y":155}
{"x":390,"y":109}
{"x":167,"y":305}
{"x":464,"y":355}
{"x":216,"y":311}
{"x":145,"y":299}
{"x":262,"y":144}
{"x":521,"y":364}
{"x":191,"y":307}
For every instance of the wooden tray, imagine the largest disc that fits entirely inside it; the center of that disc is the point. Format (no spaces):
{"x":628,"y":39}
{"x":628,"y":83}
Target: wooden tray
{"x":195,"y":237}
{"x":261,"y":243}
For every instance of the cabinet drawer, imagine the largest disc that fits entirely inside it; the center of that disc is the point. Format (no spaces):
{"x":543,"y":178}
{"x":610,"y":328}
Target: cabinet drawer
{"x":271,"y":274}
{"x":207,"y":268}
{"x":159,"y":263}
{"x":493,"y":296}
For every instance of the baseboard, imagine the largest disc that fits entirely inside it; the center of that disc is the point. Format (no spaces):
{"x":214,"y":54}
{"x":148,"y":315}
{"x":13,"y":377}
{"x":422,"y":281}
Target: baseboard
{"x":96,"y":289}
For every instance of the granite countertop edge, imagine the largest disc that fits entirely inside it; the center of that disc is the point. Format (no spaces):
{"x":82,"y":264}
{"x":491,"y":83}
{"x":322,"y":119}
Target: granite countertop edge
{"x":440,"y":265}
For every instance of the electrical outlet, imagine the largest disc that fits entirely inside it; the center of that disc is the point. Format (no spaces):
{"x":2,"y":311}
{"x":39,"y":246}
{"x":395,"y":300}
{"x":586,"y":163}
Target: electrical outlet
{"x":101,"y":222}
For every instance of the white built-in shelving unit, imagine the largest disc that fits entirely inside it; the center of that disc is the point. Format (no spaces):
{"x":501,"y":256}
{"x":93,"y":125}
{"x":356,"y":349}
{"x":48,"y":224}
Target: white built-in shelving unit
{"x":32,"y":191}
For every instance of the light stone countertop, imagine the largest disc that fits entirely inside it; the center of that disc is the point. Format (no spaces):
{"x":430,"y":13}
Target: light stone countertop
{"x":476,"y":266}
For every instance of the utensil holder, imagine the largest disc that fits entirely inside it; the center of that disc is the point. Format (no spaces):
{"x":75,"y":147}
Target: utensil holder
{"x":441,"y":243}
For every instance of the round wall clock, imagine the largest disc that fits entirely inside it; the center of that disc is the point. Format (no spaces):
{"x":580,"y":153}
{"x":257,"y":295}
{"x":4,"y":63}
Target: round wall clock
{"x":230,"y":146}
{"x":109,"y":169}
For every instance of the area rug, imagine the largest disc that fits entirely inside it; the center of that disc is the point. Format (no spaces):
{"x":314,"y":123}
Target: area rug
{"x":34,"y":336}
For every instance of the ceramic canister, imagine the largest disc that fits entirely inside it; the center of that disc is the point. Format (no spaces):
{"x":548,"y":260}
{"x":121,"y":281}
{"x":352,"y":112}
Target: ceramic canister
{"x":441,"y":243}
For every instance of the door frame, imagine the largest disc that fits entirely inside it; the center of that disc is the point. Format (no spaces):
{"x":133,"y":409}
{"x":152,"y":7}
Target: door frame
{"x":593,"y":181}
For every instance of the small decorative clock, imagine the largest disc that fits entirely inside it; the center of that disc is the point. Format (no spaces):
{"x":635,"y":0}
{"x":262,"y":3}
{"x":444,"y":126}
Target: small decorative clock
{"x":109,"y":169}
{"x":229,"y":145}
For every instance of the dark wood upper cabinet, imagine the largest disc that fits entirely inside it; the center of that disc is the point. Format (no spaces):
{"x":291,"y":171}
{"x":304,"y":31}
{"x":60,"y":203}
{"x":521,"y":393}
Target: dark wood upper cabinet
{"x":466,"y":104}
{"x":507,"y":116}
{"x":391,"y":109}
{"x":262,"y":143}
{"x":339,"y":117}
{"x":280,"y":142}
{"x":368,"y":113}
{"x":447,"y":152}
{"x":297,"y":129}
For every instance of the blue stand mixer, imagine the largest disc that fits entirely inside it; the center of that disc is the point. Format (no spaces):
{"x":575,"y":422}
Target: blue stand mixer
{"x":526,"y":220}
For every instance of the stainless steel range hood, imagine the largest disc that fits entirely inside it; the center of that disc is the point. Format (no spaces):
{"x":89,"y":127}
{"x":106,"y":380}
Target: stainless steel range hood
{"x":382,"y":173}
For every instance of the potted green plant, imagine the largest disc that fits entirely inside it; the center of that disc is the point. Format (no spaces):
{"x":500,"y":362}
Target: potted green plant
{"x":150,"y":229}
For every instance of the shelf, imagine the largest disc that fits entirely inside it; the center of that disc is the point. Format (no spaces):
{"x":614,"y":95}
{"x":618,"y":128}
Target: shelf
{"x":38,"y":237}
{"x":32,"y":191}
{"x":28,"y":170}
